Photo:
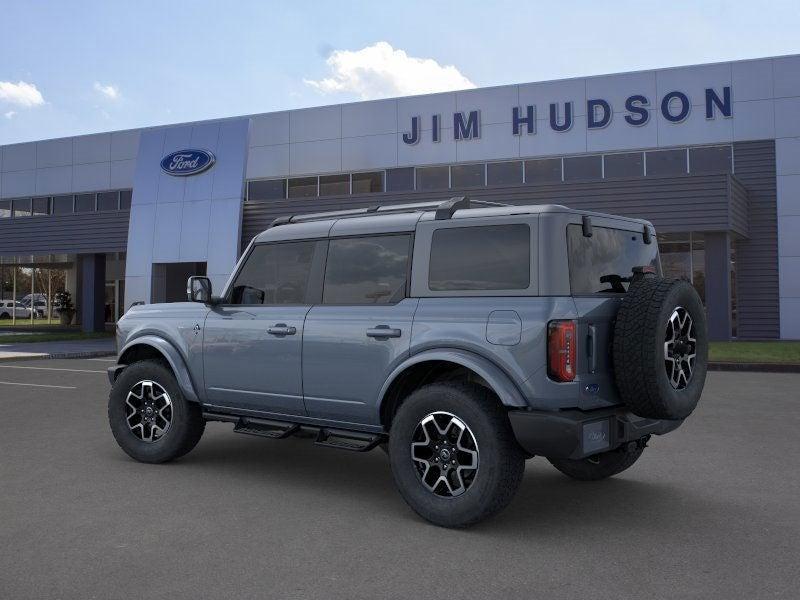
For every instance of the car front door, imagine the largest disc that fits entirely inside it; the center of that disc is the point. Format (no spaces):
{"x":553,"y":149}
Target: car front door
{"x":362,"y":329}
{"x":253,"y":340}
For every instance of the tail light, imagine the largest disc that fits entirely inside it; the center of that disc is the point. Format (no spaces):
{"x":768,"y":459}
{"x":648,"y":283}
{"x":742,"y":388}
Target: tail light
{"x":561,"y":351}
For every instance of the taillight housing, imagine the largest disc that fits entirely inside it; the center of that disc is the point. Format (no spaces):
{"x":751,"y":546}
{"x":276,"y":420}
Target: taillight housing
{"x":561,"y":350}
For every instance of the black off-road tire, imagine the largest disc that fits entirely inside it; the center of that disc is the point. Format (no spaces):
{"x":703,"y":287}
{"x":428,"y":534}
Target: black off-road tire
{"x":501,"y":462}
{"x":599,"y":466}
{"x":187,"y":423}
{"x":640,"y":369}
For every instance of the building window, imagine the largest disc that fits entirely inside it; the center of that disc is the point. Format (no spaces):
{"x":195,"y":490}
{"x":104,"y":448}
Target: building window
{"x":666,"y":162}
{"x":712,"y":159}
{"x":368,"y":270}
{"x":400,"y":180}
{"x":433,"y":178}
{"x":22,"y":207}
{"x":368,"y":183}
{"x":108,"y":201}
{"x":270,"y":189}
{"x":125,"y":199}
{"x":629,"y":164}
{"x":334,"y":185}
{"x":84,"y":203}
{"x":303,"y":187}
{"x":504,"y":173}
{"x":5,"y":209}
{"x":579,"y":168}
{"x":683,"y":256}
{"x":547,"y":170}
{"x":464,"y":176}
{"x":41,"y":206}
{"x":62,"y":205}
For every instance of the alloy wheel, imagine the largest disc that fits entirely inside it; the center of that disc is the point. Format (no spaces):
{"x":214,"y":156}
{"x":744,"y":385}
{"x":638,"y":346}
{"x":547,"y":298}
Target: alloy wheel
{"x":445,"y":454}
{"x":680,"y":348}
{"x":148,"y":411}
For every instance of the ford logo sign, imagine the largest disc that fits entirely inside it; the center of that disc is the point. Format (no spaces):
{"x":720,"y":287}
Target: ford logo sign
{"x":187,"y":162}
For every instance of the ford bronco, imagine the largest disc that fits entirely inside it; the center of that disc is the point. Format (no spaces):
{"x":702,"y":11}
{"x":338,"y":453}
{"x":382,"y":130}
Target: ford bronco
{"x":461,"y":337}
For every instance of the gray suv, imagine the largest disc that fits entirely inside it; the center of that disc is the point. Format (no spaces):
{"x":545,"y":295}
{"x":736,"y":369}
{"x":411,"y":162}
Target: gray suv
{"x":461,"y":337}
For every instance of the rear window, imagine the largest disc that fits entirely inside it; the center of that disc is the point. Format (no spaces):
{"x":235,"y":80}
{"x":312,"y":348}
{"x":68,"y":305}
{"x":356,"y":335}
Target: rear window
{"x":492,"y":257}
{"x":367,"y":270}
{"x":602,"y":263}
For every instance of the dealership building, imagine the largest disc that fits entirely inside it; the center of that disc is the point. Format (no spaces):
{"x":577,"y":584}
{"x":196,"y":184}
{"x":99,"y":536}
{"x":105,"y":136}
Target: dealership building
{"x":709,"y":154}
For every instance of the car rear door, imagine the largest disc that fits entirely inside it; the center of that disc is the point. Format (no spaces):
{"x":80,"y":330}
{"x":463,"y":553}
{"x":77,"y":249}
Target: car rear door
{"x":252,"y":343}
{"x":362,"y":329}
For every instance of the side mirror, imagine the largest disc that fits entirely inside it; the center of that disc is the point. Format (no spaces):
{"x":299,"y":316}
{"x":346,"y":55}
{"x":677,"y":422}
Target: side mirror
{"x":198,"y":289}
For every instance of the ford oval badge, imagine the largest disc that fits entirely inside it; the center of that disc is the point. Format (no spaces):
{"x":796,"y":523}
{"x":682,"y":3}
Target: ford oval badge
{"x":187,"y":162}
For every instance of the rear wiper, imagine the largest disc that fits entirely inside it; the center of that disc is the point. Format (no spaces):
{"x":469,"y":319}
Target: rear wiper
{"x":616,"y":282}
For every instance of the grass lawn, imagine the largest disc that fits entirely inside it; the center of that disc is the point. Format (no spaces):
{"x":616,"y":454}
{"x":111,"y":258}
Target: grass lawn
{"x":22,"y":338}
{"x":755,"y":352}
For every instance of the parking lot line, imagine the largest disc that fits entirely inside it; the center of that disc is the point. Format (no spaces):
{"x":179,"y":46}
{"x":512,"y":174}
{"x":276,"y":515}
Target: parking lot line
{"x":52,"y":369}
{"x":42,"y":385}
{"x":103,"y":359}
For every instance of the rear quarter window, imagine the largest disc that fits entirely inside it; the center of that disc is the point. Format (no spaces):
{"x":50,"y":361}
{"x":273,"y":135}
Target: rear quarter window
{"x":609,"y":254}
{"x":491,"y":257}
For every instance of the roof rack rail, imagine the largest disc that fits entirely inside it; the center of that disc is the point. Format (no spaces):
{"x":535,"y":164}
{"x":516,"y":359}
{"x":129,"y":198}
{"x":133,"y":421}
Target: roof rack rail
{"x":444,"y":210}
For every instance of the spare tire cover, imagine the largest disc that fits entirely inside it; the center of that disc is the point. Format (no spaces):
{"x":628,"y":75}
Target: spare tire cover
{"x":660,"y":348}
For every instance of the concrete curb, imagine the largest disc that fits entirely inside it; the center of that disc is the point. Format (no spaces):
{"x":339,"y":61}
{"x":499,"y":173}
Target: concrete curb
{"x":57,"y":355}
{"x":758,"y":367}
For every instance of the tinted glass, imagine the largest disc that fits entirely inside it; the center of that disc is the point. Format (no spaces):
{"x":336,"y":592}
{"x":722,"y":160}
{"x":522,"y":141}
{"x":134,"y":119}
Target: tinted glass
{"x":84,"y":203}
{"x":543,"y":171}
{"x":400,"y":180}
{"x":275,"y":274}
{"x":433,"y":178}
{"x":496,"y":257}
{"x":609,"y":252}
{"x":367,"y":183}
{"x":583,"y":167}
{"x":125,"y":199}
{"x":334,"y":185}
{"x":303,"y":187}
{"x":62,"y":205}
{"x":504,"y":173}
{"x":108,"y":201}
{"x":22,"y":207}
{"x":41,"y":206}
{"x":630,"y":164}
{"x":468,"y":175}
{"x":272,"y":189}
{"x":5,"y":209}
{"x":714,"y":159}
{"x":368,"y":270}
{"x":666,"y":162}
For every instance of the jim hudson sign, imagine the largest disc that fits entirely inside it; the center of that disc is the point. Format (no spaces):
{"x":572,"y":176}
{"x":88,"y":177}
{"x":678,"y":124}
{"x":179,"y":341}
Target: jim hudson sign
{"x":674,"y":106}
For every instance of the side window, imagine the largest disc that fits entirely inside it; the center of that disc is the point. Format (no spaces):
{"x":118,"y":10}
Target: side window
{"x":275,"y":274}
{"x":492,"y":257}
{"x":367,"y":270}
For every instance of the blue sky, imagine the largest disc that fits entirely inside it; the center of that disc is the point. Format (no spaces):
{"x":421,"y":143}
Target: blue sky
{"x":69,"y":68}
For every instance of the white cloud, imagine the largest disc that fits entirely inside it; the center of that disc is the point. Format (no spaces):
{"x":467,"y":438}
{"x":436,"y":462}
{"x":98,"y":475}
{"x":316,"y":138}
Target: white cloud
{"x":380,"y":71}
{"x":109,"y":91}
{"x":10,"y":114}
{"x":20,"y":93}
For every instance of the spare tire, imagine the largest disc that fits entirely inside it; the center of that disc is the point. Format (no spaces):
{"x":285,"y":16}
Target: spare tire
{"x":660,"y":348}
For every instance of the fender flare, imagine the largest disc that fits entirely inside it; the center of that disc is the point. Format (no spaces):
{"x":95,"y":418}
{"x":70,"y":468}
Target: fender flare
{"x":172,"y":356}
{"x":498,"y":380}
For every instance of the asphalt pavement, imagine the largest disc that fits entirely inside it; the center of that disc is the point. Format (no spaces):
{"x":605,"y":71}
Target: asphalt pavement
{"x":710,"y":511}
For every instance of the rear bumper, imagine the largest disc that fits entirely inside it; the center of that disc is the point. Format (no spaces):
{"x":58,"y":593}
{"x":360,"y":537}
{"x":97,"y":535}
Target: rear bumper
{"x":577,"y":434}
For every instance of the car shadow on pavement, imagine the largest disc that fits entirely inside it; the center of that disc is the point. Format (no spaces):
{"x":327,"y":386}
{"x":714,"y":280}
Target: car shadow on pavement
{"x":547,"y":503}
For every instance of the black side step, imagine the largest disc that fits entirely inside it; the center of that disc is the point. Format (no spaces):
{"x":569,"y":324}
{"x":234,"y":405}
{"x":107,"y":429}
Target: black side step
{"x":347,"y":440}
{"x":265,"y":428}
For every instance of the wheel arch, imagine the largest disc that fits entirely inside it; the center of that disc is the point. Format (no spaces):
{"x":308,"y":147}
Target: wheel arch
{"x":154,"y":347}
{"x":433,"y":365}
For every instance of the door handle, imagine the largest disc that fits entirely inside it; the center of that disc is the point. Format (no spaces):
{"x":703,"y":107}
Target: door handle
{"x":383,"y":331}
{"x":282,"y":329}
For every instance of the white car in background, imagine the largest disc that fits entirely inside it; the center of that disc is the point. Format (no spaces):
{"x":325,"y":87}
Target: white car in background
{"x":12,"y":308}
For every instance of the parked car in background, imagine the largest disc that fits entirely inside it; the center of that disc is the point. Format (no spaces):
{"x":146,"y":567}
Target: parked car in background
{"x":39,"y":302}
{"x":14,"y":308}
